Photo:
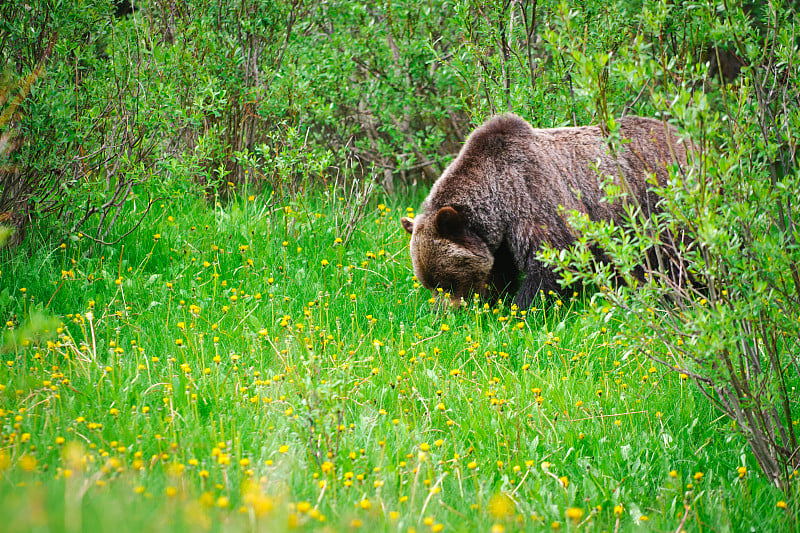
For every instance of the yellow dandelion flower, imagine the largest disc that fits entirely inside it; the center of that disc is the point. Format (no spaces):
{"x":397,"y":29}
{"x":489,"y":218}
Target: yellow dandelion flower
{"x":207,"y":499}
{"x":284,"y":448}
{"x":501,"y":506}
{"x":781,"y":504}
{"x":28,"y":463}
{"x":575,"y":513}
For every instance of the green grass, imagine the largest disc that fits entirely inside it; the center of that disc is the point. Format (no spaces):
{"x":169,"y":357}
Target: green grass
{"x":237,"y":369}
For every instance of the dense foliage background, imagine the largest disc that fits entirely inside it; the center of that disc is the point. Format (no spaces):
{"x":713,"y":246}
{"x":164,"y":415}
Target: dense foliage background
{"x":161,"y":161}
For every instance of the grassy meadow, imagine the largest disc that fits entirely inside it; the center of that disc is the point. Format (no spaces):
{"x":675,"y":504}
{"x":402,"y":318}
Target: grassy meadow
{"x":240,"y":367}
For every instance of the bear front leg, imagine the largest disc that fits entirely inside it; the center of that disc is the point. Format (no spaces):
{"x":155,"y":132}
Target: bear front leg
{"x":504,"y":277}
{"x":538,"y":279}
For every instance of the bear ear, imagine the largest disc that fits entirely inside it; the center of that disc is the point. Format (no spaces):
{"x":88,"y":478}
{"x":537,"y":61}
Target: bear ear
{"x":449,"y":223}
{"x":408,"y":224}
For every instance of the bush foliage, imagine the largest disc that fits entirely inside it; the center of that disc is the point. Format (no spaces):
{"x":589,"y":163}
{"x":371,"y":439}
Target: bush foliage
{"x":734,"y":330}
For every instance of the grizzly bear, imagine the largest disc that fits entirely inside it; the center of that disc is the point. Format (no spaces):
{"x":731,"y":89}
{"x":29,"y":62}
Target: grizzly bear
{"x":481,"y":226}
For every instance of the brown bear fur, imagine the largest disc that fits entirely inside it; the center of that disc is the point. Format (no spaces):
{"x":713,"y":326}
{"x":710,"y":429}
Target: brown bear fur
{"x":500,"y":199}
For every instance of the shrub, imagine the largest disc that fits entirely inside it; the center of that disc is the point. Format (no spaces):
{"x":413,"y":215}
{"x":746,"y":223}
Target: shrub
{"x":83,"y":139}
{"x":103,"y":109}
{"x":734,"y":332}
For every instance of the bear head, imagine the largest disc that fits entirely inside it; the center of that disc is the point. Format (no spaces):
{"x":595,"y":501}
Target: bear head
{"x":446,"y":255}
